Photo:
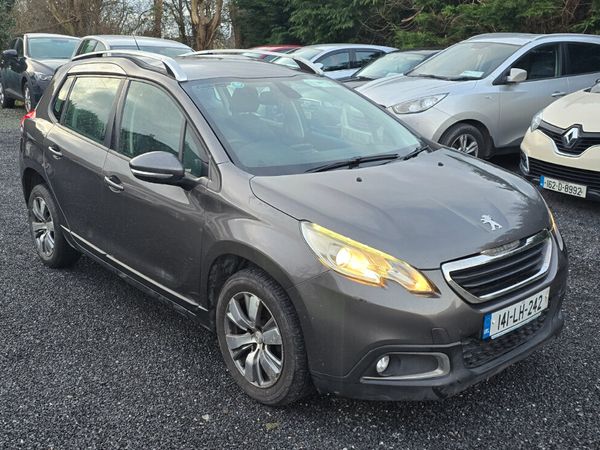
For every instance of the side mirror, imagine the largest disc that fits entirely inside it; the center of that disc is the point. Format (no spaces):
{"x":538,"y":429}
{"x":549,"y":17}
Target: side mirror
{"x":10,"y":53}
{"x":516,"y":76}
{"x":157,"y":167}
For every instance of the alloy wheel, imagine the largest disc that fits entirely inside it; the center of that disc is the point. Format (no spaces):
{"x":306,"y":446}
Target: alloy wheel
{"x":253,"y":340}
{"x":466,"y":143}
{"x":42,"y":227}
{"x":1,"y":94}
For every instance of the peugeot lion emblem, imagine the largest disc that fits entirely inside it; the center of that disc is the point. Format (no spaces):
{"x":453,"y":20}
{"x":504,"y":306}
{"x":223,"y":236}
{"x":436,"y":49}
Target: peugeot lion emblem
{"x":571,"y":136}
{"x":485,"y":219}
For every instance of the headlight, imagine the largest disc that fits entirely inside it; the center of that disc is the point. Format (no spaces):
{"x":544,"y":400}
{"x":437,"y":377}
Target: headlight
{"x":361,"y":262}
{"x":418,"y":105}
{"x":555,"y":230}
{"x":41,"y":76}
{"x":535,"y":122}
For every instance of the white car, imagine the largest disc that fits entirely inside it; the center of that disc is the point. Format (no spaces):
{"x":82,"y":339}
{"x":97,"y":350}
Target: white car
{"x":561,"y":150}
{"x":338,"y":60}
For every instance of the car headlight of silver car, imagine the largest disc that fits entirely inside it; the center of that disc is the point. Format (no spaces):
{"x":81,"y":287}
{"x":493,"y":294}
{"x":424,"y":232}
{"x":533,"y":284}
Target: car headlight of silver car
{"x":537,"y":120}
{"x":363,"y":263}
{"x":41,"y":76}
{"x":418,"y":105}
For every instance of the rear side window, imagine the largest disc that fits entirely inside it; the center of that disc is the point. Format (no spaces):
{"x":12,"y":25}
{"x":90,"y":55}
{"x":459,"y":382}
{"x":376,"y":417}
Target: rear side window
{"x":583,"y":58}
{"x":335,"y":61}
{"x":151,"y":121}
{"x":89,"y":106}
{"x":364,"y":57}
{"x":87,"y":47}
{"x":61,"y":98}
{"x":540,"y":63}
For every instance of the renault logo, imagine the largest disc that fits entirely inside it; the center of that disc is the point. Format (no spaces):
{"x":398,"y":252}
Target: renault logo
{"x":571,"y":136}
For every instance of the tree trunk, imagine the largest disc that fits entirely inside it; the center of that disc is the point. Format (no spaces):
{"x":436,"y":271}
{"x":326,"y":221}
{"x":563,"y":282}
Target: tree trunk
{"x":158,"y":14}
{"x":206,"y":27}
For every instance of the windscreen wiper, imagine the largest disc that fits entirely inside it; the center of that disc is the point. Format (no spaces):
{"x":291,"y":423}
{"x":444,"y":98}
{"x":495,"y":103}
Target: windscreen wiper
{"x":354,"y":162}
{"x":416,"y":151}
{"x":430,"y":75}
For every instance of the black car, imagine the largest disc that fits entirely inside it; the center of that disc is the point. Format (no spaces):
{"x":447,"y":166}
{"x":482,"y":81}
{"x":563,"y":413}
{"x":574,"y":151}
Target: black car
{"x":324,"y":242}
{"x":27,"y":67}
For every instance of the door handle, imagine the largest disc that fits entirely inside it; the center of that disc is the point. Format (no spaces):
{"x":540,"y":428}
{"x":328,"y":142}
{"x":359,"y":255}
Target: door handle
{"x":56,"y":153}
{"x":113,"y":185}
{"x":559,"y":94}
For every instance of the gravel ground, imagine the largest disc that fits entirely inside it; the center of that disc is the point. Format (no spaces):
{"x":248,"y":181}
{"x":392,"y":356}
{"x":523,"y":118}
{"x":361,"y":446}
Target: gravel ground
{"x":88,"y":361}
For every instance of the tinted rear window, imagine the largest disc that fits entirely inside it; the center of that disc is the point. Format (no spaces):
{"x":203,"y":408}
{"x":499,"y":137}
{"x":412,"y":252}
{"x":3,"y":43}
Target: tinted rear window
{"x":90,"y":105}
{"x":51,"y":48}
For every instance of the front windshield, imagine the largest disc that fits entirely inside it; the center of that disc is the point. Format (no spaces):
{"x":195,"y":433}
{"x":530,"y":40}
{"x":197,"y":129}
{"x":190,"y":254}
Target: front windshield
{"x":51,"y":47}
{"x":277,"y":126}
{"x":466,"y":60}
{"x":390,"y":64}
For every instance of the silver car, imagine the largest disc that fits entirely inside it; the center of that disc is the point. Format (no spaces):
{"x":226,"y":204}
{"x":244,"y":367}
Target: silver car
{"x":479,"y":95}
{"x":338,"y":60}
{"x":101,"y":42}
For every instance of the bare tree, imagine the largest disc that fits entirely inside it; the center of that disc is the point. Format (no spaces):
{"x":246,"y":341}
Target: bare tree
{"x":206,"y":20}
{"x":158,"y":17}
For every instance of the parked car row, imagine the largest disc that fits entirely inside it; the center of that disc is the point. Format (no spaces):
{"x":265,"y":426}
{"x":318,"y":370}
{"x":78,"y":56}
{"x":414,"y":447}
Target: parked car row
{"x":327,"y":244}
{"x":27,"y":67}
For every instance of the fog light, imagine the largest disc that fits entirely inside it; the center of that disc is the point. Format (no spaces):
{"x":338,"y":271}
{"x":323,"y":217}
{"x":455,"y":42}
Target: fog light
{"x":382,"y":364}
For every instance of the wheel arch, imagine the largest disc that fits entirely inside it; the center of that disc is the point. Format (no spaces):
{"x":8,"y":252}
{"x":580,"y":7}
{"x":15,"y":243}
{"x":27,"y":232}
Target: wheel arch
{"x":229,"y":257}
{"x":30,"y":179}
{"x":483,"y":128}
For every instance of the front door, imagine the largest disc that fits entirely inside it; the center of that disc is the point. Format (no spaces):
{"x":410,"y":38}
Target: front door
{"x":75,"y":150}
{"x":519,"y":102}
{"x":155,"y":229}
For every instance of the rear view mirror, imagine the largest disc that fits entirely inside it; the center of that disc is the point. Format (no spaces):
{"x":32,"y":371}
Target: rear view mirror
{"x":516,"y":76}
{"x":10,"y":53}
{"x":157,"y":167}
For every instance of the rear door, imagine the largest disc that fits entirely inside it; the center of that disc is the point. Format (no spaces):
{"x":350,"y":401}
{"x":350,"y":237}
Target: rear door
{"x":155,"y":230}
{"x":519,"y":102}
{"x":336,"y":64}
{"x":582,"y":64}
{"x":76,"y":148}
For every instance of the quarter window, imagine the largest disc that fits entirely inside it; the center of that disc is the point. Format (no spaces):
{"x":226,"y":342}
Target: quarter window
{"x":61,"y":98}
{"x":90,"y":105}
{"x":540,"y":63}
{"x":151,"y":122}
{"x":195,"y":160}
{"x":87,"y":47}
{"x":583,"y":58}
{"x":336,"y":61}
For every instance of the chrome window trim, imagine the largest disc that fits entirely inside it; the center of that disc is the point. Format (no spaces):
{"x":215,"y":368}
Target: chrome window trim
{"x":486,"y":257}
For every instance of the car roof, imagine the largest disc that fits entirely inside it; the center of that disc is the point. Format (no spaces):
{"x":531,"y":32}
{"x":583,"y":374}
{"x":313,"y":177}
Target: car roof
{"x":522,"y":39}
{"x":343,"y":46}
{"x":50,"y":35}
{"x":116,"y":39}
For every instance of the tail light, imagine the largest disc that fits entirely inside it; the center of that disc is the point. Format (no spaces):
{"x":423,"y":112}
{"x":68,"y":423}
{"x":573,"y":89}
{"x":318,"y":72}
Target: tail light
{"x":29,"y":115}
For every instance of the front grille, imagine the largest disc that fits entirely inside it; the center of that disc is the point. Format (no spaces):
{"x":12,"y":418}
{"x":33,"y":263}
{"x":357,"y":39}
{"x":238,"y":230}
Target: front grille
{"x":477,"y":352}
{"x":588,"y":178}
{"x":500,"y":271}
{"x":585,"y":141}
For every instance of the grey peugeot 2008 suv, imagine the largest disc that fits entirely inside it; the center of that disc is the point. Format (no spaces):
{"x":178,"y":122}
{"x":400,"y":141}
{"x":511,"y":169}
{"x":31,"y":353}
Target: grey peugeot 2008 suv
{"x":327,"y":244}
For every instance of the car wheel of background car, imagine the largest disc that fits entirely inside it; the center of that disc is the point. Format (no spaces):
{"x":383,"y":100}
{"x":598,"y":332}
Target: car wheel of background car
{"x":27,"y":98}
{"x":44,"y":223}
{"x":467,"y":139}
{"x":261,"y":340}
{"x":5,"y":102}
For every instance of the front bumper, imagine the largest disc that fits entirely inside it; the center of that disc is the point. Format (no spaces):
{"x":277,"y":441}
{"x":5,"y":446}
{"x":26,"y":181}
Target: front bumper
{"x":430,"y":124}
{"x":348,"y":327}
{"x":540,"y":157}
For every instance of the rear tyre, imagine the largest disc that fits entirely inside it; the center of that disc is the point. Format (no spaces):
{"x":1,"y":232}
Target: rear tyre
{"x":5,"y":101}
{"x":46,"y":230}
{"x":27,"y":98}
{"x":466,"y":138}
{"x":261,"y":340}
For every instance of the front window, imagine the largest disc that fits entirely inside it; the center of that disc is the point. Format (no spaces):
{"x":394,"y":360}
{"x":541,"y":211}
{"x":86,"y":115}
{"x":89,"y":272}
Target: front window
{"x":465,"y":61}
{"x":278,"y":126}
{"x":51,"y":47}
{"x":388,"y":65}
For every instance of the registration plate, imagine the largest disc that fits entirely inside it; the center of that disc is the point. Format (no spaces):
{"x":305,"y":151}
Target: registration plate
{"x":500,"y":322}
{"x":563,"y":187}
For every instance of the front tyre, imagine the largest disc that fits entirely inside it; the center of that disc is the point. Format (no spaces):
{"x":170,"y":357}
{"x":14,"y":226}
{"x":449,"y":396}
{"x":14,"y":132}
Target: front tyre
{"x":261,"y":340}
{"x":5,"y":101}
{"x":467,"y":139}
{"x":46,"y":231}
